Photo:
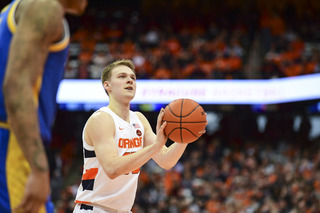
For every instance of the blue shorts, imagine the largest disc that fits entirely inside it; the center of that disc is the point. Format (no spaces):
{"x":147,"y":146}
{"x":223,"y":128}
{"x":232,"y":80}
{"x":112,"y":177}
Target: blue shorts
{"x":14,"y":172}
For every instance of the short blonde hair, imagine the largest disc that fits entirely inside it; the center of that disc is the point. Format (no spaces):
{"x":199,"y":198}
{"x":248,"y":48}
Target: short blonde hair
{"x":107,"y":71}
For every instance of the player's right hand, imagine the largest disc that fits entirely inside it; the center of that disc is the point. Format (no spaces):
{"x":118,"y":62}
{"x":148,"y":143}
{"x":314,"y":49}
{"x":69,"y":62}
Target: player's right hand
{"x":36,"y":193}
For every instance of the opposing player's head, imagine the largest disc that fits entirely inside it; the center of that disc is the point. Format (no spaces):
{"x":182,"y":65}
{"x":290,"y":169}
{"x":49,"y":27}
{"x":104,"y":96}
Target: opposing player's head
{"x":119,"y":78}
{"x":74,"y":7}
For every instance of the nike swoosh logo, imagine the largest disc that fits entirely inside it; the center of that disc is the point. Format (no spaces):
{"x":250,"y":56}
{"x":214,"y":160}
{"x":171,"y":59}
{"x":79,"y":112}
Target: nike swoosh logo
{"x":121,"y":128}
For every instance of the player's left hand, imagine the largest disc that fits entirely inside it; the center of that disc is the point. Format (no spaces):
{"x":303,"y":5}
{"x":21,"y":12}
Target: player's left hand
{"x":160,"y":126}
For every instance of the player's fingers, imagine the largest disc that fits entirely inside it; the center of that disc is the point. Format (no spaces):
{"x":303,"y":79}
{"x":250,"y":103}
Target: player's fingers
{"x":163,"y":125}
{"x":28,"y":206}
{"x":162,"y":129}
{"x":33,"y":207}
{"x":160,"y":116}
{"x":202,"y":132}
{"x":20,"y":207}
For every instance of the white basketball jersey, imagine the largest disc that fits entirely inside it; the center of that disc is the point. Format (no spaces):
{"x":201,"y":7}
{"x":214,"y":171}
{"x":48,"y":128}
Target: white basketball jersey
{"x":96,"y":187}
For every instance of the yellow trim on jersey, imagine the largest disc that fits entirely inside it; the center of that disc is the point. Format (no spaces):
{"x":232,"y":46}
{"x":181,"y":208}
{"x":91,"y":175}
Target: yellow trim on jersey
{"x":5,"y":8}
{"x":18,"y":170}
{"x":65,"y":40}
{"x":11,"y":21}
{"x":13,"y":26}
{"x":4,"y":125}
{"x":59,"y":46}
{"x":36,"y":91}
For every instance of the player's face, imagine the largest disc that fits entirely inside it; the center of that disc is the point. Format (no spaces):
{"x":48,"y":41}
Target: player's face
{"x":122,"y":82}
{"x":76,"y":7}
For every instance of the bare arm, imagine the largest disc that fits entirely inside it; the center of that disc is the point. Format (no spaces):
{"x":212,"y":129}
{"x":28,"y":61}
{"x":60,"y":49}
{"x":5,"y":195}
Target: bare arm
{"x":168,"y":156}
{"x":38,"y":27}
{"x":39,"y":24}
{"x":106,"y":150}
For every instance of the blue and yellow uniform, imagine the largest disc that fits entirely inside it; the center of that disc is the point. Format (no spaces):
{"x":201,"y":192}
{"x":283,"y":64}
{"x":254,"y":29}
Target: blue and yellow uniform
{"x":14,"y":168}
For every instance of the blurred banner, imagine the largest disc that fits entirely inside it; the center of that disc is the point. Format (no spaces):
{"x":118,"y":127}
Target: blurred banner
{"x":271,"y":91}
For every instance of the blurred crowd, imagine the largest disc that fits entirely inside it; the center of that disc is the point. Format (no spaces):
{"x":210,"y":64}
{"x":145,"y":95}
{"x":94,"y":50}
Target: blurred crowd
{"x":196,"y":44}
{"x":239,"y":168}
{"x":202,"y":52}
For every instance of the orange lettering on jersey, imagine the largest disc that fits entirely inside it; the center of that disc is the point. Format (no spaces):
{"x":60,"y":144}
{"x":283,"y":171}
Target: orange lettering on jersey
{"x":120,"y":144}
{"x":136,"y":171}
{"x":90,"y":174}
{"x":84,"y":202}
{"x":130,"y":143}
{"x":125,"y":143}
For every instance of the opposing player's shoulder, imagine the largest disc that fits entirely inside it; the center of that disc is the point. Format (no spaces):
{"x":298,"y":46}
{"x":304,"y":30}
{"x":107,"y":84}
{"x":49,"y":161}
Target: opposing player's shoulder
{"x":41,"y":20}
{"x":50,"y":7}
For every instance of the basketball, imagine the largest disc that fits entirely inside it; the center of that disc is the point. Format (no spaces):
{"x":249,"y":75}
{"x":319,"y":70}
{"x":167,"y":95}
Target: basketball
{"x":185,"y":120}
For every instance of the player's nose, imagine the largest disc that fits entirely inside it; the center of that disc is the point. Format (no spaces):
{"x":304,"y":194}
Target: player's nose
{"x":129,"y":80}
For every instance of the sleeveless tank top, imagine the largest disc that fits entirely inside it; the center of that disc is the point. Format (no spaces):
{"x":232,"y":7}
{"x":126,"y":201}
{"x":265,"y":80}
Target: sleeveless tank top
{"x":96,"y":187}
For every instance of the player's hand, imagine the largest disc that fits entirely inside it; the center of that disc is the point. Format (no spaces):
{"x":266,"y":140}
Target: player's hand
{"x":204,"y":131}
{"x":36,"y":193}
{"x":161,"y":137}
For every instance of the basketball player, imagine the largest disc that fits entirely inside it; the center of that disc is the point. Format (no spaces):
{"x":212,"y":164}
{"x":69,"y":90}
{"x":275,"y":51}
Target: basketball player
{"x":34,"y":39}
{"x":117,"y":142}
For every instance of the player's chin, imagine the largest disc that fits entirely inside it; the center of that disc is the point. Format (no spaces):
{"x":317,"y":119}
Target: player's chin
{"x":130,"y":95}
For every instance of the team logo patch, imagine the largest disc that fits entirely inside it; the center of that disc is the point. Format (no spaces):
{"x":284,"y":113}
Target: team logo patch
{"x":139,"y":133}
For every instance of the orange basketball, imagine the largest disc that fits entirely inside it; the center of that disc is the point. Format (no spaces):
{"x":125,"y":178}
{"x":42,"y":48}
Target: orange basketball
{"x":185,"y":120}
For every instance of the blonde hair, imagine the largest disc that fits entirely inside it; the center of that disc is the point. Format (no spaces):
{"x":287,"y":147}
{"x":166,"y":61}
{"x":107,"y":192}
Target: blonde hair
{"x":107,"y":71}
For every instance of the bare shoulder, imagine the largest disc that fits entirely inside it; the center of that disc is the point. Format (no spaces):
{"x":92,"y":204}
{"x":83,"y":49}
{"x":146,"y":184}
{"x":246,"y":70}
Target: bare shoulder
{"x":143,"y":120}
{"x":100,"y":119}
{"x":141,"y":116}
{"x":37,"y":8}
{"x":41,"y":17}
{"x":100,"y":126}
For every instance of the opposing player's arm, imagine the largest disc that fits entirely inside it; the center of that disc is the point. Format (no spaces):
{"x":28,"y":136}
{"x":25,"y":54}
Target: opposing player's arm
{"x":38,"y":26}
{"x":100,"y":131}
{"x":167,"y":157}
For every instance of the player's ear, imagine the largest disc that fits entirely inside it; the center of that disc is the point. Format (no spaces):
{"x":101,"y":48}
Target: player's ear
{"x":107,"y":86}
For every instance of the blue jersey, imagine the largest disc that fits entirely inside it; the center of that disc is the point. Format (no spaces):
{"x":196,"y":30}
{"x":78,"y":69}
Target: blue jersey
{"x":14,"y":168}
{"x":46,"y":90}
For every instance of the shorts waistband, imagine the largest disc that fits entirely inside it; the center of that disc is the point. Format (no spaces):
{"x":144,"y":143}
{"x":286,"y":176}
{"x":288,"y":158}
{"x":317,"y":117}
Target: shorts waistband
{"x":90,"y":206}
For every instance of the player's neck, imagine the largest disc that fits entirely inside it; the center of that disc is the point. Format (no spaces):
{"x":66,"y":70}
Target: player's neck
{"x":122,"y":110}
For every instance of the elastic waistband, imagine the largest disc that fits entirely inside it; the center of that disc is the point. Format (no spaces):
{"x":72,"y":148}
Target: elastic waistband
{"x":89,"y":206}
